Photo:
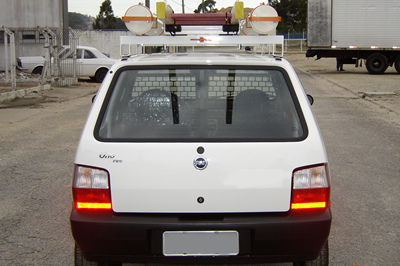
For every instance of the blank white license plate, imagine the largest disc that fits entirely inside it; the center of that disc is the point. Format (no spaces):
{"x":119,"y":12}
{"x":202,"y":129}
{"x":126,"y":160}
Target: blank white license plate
{"x":201,"y":243}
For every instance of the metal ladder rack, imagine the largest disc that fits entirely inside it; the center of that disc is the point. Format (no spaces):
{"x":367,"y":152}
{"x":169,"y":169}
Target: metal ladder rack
{"x":131,"y":45}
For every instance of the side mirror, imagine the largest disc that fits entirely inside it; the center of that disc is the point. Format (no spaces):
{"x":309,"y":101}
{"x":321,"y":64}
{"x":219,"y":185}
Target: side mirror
{"x":93,"y":98}
{"x":310,"y":99}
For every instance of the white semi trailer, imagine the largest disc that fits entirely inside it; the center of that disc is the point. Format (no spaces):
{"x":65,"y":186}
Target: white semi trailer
{"x":353,"y":31}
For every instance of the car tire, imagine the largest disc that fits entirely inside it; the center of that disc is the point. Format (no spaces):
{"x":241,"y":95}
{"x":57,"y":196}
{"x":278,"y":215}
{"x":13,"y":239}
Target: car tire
{"x":37,"y":70}
{"x":81,"y":261}
{"x":376,"y":63}
{"x":100,"y":74}
{"x":397,"y":64}
{"x":322,"y":260}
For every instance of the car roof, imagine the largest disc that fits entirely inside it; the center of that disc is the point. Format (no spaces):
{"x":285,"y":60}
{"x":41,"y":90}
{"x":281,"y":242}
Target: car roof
{"x":204,"y":58}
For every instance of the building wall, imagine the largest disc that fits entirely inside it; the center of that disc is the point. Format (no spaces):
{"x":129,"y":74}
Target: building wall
{"x":23,"y":17}
{"x":32,"y":13}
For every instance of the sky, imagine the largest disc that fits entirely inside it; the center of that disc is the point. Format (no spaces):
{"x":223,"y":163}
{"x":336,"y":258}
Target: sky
{"x":92,"y":7}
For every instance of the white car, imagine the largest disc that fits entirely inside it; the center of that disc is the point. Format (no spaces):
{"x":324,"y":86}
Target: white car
{"x":89,"y":62}
{"x":202,"y":158}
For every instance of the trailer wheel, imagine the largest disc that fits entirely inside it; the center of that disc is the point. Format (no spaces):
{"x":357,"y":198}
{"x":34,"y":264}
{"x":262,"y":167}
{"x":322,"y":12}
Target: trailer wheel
{"x":397,"y":64}
{"x":377,"y":63}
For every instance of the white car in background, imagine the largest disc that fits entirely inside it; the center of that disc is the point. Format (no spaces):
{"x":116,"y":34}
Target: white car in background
{"x":89,"y":62}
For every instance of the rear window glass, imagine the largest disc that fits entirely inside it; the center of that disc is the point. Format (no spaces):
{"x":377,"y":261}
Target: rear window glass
{"x":200,"y":104}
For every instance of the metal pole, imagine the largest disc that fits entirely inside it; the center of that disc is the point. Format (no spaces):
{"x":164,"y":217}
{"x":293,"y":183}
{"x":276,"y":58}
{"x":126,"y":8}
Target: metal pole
{"x":183,"y":6}
{"x":65,"y":37}
{"x":287,"y":40}
{"x":73,"y":47}
{"x":46,"y":70}
{"x":13,"y":74}
{"x":6,"y":55}
{"x":13,"y":62}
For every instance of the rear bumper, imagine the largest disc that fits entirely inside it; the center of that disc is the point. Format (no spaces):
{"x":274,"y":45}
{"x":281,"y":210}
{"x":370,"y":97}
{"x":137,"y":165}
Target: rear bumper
{"x":292,"y":236}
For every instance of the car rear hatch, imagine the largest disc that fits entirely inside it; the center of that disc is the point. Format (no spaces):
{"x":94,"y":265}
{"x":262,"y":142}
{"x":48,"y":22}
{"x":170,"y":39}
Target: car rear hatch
{"x":203,"y":139}
{"x":237,"y":177}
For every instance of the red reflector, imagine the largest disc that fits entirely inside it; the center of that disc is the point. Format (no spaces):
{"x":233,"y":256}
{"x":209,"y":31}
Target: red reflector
{"x":309,"y":205}
{"x":312,"y":198}
{"x":93,"y":205}
{"x":88,"y":198}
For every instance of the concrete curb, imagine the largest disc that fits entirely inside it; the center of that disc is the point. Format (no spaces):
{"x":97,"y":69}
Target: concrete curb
{"x":11,"y":95}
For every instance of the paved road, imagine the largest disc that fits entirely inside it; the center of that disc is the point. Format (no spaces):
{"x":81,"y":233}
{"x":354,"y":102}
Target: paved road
{"x":37,"y":151}
{"x":363,"y":145}
{"x":37,"y":148}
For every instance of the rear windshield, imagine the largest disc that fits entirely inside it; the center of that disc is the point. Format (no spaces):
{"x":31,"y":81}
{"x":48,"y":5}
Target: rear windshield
{"x":200,"y":104}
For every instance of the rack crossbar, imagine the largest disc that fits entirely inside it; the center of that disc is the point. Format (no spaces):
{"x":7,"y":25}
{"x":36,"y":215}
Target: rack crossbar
{"x":201,"y":40}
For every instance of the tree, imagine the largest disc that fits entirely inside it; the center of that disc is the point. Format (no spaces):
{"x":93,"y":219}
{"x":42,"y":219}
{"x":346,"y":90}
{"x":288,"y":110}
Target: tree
{"x":208,"y":7}
{"x":105,"y":19}
{"x":79,"y":21}
{"x":293,"y":14}
{"x":120,"y":24}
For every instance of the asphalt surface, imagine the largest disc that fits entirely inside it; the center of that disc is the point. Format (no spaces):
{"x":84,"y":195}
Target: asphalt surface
{"x":15,"y":110}
{"x":359,"y":117}
{"x":383,"y":90}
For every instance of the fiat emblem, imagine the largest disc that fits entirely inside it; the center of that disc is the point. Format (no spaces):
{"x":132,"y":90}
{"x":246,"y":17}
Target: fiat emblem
{"x":200,"y":163}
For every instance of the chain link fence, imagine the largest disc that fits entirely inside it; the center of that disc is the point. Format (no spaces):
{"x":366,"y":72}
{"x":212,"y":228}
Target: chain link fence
{"x":8,"y":72}
{"x":35,"y":56}
{"x":295,"y":41}
{"x":60,"y":64}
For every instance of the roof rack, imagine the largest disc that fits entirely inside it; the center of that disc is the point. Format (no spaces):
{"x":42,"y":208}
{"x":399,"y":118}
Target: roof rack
{"x":131,"y":45}
{"x":169,"y":29}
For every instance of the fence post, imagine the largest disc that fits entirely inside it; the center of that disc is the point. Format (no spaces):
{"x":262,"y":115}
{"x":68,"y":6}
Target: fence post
{"x":56,"y":69}
{"x":46,"y":70}
{"x":73,"y":40}
{"x":6,"y":56}
{"x":9,"y":35}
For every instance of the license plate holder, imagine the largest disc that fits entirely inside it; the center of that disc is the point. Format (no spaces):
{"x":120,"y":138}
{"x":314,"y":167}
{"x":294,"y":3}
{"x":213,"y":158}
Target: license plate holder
{"x":200,"y":243}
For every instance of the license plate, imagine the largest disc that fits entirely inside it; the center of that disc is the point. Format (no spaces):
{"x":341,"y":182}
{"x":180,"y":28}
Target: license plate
{"x":200,"y":243}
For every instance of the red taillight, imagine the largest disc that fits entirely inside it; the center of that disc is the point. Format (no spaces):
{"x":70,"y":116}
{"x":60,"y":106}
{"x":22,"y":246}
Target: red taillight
{"x":86,"y":198}
{"x":91,"y":189}
{"x":313,"y":198}
{"x":310,"y":188}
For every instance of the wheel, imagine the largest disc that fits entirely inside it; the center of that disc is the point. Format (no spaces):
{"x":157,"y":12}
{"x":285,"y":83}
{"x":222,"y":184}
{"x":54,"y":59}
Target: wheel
{"x":100,"y":74}
{"x":376,"y":63}
{"x":37,"y":70}
{"x":322,"y":260}
{"x":397,"y":64}
{"x":81,"y":261}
